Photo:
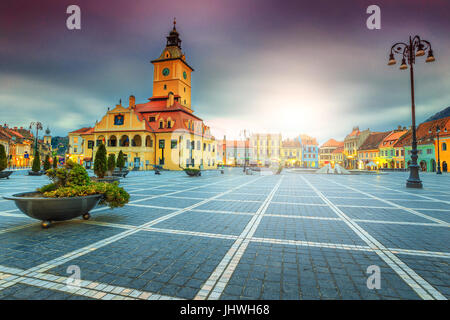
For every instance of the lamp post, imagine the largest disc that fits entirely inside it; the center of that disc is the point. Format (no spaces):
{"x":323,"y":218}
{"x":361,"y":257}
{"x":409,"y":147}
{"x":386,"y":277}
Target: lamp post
{"x":409,"y":51}
{"x":38,"y":127}
{"x":438,"y":130}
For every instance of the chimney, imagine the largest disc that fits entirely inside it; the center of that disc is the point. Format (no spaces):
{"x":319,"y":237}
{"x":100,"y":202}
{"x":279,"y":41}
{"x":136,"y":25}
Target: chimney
{"x":15,"y":128}
{"x":170,"y":100}
{"x":132,"y":100}
{"x":399,"y":128}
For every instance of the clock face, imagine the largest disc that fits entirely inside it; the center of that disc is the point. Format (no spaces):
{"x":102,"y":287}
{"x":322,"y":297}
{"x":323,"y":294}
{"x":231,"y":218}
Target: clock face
{"x":184,"y":75}
{"x":165,"y":71}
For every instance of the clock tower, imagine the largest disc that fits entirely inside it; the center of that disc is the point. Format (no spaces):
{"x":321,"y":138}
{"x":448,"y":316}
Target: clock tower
{"x":171,"y":71}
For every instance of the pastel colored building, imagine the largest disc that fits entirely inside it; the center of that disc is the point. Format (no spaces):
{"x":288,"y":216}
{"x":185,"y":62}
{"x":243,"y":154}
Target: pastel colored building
{"x":338,"y":156}
{"x":163,"y":131}
{"x":237,"y":152}
{"x":425,"y":146}
{"x":266,"y":148}
{"x":326,"y":151}
{"x":310,"y":151}
{"x":369,"y":152}
{"x":444,"y":142}
{"x":291,"y":153}
{"x":352,"y":142}
{"x":390,"y":156}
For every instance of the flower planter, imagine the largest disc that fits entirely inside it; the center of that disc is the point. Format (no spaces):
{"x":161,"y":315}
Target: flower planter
{"x":193,"y":172}
{"x":5,"y":174}
{"x":118,"y":173}
{"x":34,"y":173}
{"x":107,"y":179}
{"x":34,"y":205}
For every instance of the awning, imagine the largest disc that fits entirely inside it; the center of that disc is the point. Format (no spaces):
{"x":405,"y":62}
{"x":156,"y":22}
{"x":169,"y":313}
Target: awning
{"x":87,"y":159}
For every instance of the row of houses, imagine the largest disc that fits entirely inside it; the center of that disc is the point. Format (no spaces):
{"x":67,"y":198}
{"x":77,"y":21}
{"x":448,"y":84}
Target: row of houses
{"x":19,"y":145}
{"x":390,"y":149}
{"x":262,"y":149}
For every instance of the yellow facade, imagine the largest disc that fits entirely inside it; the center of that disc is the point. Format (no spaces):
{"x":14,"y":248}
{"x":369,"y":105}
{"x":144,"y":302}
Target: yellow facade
{"x":163,"y":132}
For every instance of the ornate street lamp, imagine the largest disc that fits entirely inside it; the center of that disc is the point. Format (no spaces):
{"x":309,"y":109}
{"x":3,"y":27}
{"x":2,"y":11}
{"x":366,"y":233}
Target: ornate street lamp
{"x":438,"y":130}
{"x":38,"y":127}
{"x":409,"y":51}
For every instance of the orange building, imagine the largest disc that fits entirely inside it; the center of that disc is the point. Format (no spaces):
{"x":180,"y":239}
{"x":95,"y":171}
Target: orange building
{"x":444,"y":142}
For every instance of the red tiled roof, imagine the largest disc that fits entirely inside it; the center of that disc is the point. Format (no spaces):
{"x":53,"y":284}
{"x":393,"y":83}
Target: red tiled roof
{"x":392,"y":138}
{"x":374,"y":140}
{"x":332,"y":143}
{"x":307,"y":140}
{"x":82,"y":130}
{"x":291,"y":143}
{"x":422,"y":132}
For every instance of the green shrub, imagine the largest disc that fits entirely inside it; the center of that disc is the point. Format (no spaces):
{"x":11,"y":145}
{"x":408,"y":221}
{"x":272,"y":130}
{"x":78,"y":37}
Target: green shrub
{"x":100,"y":165}
{"x":120,"y":160}
{"x":111,"y":162}
{"x":47,"y":164}
{"x":55,"y":162}
{"x":36,"y":163}
{"x":3,"y":160}
{"x":72,"y":180}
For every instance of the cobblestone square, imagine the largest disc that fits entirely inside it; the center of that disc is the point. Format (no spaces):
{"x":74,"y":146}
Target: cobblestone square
{"x":234,"y":236}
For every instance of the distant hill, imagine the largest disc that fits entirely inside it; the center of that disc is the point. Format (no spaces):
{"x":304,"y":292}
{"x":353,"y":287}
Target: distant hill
{"x":59,"y":144}
{"x":441,"y":114}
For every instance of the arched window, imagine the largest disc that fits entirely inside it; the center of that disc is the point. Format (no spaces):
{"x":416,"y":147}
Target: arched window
{"x":161,"y":124}
{"x":112,"y":142}
{"x":124,"y":141}
{"x":148,"y":142}
{"x":444,"y":147}
{"x":137,"y":141}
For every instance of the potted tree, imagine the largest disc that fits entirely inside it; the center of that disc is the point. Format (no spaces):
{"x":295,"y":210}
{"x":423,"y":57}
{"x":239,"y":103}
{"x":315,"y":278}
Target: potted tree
{"x":111,"y":164}
{"x":47,"y":164}
{"x":120,"y":164}
{"x":36,"y":167}
{"x":4,"y":163}
{"x":101,"y":166}
{"x":71,"y":194}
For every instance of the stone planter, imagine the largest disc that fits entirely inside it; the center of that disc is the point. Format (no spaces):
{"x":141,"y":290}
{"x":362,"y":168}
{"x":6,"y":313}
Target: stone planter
{"x":118,"y":173}
{"x":34,"y":205}
{"x":5,"y":174}
{"x":33,"y":173}
{"x":107,"y":179}
{"x":193,"y":172}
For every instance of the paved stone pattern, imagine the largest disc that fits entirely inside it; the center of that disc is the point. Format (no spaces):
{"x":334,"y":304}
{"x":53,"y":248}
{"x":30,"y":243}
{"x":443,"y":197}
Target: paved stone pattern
{"x":235,"y":236}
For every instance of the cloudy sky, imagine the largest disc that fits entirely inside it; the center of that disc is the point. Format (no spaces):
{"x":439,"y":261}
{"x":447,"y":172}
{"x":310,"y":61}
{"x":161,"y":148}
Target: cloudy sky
{"x":264,"y":66}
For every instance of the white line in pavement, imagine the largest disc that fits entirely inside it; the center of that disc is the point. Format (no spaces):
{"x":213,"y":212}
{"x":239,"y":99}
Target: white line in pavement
{"x":82,"y":251}
{"x":216,"y":283}
{"x":410,"y":193}
{"x":90,"y":289}
{"x":417,"y":283}
{"x":392,"y":204}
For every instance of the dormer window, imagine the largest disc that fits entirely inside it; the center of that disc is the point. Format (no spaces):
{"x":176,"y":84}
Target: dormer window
{"x":161,"y":124}
{"x":169,"y":124}
{"x":151,"y":119}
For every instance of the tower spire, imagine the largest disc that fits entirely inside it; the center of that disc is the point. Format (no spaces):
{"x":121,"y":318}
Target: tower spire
{"x":174,"y":37}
